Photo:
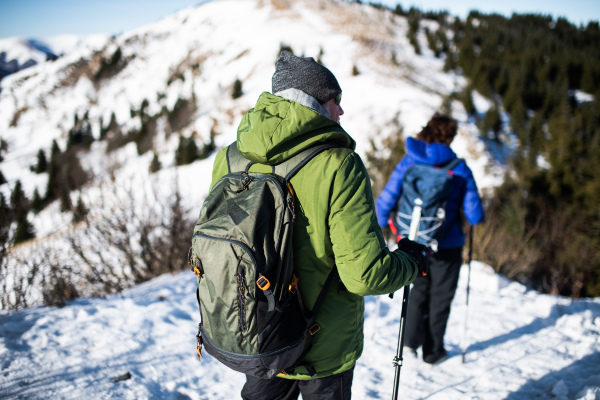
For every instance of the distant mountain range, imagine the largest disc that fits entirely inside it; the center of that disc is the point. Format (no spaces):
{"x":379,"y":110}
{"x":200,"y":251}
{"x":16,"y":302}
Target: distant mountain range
{"x":18,"y":53}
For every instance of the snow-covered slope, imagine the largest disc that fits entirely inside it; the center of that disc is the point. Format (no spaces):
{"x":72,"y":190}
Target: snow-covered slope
{"x":520,"y":346}
{"x":199,"y":52}
{"x":196,"y":55}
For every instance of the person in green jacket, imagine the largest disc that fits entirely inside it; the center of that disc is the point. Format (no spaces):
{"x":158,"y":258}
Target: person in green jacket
{"x":336,"y":225}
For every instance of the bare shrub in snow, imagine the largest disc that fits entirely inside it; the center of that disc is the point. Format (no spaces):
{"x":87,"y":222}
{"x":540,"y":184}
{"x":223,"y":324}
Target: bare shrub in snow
{"x":130,"y":236}
{"x":127,"y":236}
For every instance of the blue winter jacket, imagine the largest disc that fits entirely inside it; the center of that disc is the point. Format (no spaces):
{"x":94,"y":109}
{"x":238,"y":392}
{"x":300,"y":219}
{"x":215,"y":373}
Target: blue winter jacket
{"x":464,"y":190}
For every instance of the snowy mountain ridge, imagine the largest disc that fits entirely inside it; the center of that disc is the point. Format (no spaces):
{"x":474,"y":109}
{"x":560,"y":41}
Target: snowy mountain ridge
{"x":198,"y":53}
{"x":18,"y":53}
{"x":174,"y":78}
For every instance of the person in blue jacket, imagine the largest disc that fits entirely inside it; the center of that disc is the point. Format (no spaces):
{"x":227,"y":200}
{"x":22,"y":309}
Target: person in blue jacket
{"x":429,"y":304}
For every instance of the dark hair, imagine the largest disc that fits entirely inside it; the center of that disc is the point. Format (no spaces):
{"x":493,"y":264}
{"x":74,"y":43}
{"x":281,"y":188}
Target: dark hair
{"x":439,"y":129}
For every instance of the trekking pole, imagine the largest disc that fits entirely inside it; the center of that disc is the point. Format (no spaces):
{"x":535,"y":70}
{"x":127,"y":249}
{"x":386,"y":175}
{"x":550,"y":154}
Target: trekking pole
{"x":398,"y":359}
{"x":412,"y":235}
{"x":464,"y":346}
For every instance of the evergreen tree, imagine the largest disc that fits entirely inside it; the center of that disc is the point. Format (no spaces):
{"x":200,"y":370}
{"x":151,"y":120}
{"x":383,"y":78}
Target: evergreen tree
{"x":113,"y":126}
{"x":450,"y":63}
{"x":3,"y":148}
{"x":42,"y":163}
{"x":432,"y":43}
{"x":19,"y":201}
{"x":154,"y":164}
{"x":25,"y":230}
{"x":492,"y":122}
{"x":53,"y":172}
{"x":467,"y":100}
{"x":237,"y":89}
{"x":414,"y":20}
{"x":144,"y":137}
{"x":80,"y":135}
{"x":187,"y":151}
{"x":37,"y":203}
{"x":518,"y":117}
{"x":80,"y":211}
{"x":54,"y":151}
{"x":65,"y":200}
{"x":6,"y":214}
{"x":110,"y":66}
{"x":2,"y":179}
{"x":182,"y":113}
{"x":442,"y":38}
{"x":65,"y":174}
{"x":144,"y":106}
{"x":446,"y":106}
{"x":319,"y":60}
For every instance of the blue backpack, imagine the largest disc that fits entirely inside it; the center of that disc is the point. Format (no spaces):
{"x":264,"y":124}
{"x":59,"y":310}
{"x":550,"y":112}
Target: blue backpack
{"x":422,"y":207}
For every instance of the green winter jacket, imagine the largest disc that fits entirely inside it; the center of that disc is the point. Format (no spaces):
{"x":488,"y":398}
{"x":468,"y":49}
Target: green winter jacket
{"x":335,"y":225}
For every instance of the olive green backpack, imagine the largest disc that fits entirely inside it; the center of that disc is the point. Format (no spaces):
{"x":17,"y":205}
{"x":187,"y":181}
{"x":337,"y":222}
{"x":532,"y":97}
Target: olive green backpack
{"x":252,"y":316}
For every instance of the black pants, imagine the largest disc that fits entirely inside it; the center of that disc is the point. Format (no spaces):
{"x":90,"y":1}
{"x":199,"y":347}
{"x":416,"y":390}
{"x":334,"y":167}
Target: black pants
{"x":334,"y":387}
{"x":429,"y":302}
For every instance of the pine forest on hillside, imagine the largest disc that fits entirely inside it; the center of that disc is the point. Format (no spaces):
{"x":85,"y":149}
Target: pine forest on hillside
{"x":533,"y":67}
{"x":542,"y":227}
{"x":543,"y":223}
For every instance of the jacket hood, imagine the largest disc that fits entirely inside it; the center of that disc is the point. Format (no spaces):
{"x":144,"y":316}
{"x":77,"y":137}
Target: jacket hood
{"x":277,"y":129}
{"x":429,"y":154}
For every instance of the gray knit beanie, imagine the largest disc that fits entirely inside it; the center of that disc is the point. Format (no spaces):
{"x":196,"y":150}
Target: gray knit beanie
{"x":305,"y":74}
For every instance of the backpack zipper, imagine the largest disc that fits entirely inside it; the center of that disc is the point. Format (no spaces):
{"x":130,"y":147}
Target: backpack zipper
{"x":239,"y":277}
{"x":240,"y":356}
{"x":236,"y":242}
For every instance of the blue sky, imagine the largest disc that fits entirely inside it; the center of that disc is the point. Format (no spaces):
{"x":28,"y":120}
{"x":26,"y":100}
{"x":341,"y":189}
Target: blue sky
{"x":44,"y":18}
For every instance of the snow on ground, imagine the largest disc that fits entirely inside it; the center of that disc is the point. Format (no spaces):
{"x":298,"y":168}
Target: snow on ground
{"x":521,"y":345}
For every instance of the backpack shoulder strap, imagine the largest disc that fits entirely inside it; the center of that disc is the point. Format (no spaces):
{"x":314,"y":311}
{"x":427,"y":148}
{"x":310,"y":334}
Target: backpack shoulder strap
{"x":235,"y":161}
{"x":450,"y":165}
{"x":238,"y":163}
{"x":290,"y":167}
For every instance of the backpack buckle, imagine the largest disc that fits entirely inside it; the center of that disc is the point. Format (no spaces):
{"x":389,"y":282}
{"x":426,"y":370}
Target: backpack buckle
{"x":294,"y":284}
{"x":244,"y":182}
{"x":263,"y":283}
{"x":195,"y":264}
{"x":314,"y":329}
